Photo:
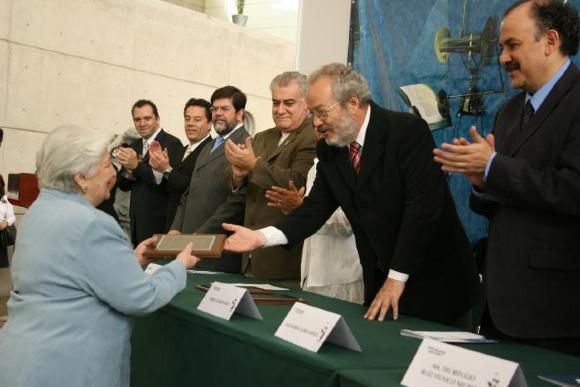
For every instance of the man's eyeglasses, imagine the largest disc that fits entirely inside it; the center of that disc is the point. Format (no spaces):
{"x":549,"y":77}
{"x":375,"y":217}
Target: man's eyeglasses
{"x":321,"y":113}
{"x":216,"y":109}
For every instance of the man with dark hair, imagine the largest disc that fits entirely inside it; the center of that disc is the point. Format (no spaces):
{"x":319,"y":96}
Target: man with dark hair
{"x":376,"y":165}
{"x":197,"y":118}
{"x":147,"y":210}
{"x":274,"y":158}
{"x":526,"y":179}
{"x":208,"y":202}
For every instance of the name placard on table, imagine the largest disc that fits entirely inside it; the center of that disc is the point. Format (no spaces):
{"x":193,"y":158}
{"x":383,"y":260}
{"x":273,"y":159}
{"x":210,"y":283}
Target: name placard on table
{"x":439,"y":364}
{"x":222,"y":300}
{"x":309,"y":327}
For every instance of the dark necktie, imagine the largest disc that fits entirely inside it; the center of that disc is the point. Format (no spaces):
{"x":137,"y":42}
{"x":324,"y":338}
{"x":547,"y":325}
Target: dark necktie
{"x":355,"y":156}
{"x":528,"y":114}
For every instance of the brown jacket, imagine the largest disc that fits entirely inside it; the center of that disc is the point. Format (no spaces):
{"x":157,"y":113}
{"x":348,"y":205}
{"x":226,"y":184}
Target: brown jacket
{"x":277,"y":165}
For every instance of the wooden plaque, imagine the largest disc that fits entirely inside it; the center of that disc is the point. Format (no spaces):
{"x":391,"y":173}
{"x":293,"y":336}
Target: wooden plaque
{"x":204,"y":245}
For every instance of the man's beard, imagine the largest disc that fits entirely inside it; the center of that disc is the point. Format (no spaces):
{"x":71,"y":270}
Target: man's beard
{"x":343,"y":132}
{"x":224,"y":127}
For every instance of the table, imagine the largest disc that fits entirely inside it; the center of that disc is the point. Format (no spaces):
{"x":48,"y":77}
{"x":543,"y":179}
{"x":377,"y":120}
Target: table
{"x":181,"y":346}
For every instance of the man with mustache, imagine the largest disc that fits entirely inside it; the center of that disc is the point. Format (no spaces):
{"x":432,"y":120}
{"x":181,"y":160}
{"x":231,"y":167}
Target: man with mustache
{"x":376,"y":165}
{"x":275,"y":157}
{"x":209,"y":201}
{"x":526,"y":179}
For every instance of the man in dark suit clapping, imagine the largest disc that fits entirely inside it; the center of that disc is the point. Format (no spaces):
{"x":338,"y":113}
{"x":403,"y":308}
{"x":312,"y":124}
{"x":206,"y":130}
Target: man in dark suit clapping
{"x":148,"y":207}
{"x":526,"y":178}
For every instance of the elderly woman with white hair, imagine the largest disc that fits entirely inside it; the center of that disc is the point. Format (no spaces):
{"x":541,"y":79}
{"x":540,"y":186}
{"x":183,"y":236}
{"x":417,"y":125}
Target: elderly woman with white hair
{"x":76,"y":278}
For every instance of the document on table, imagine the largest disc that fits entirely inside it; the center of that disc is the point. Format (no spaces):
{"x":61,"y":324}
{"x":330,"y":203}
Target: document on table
{"x":562,"y":380}
{"x":448,"y":337}
{"x":192,"y":271}
{"x":259,"y":286}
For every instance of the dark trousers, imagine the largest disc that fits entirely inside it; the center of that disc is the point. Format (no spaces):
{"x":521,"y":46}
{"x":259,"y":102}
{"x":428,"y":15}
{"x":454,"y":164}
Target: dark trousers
{"x":566,"y":345}
{"x":3,"y":257}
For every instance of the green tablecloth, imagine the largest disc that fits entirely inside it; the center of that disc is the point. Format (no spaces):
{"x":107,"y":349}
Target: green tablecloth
{"x":180,"y":346}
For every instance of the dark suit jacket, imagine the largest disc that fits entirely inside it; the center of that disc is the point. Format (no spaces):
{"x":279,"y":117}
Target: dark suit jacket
{"x":402,"y":215}
{"x":148,"y":207}
{"x":179,"y":177}
{"x":533,"y":256}
{"x":278,"y":164}
{"x":209,"y":202}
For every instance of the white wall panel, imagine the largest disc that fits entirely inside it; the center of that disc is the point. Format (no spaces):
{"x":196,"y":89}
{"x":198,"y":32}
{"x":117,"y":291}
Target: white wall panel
{"x":87,"y":61}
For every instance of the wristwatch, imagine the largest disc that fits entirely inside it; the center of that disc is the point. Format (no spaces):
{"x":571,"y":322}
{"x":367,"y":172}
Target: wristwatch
{"x":167,"y":172}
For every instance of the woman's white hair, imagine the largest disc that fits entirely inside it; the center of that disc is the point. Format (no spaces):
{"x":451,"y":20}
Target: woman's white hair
{"x":66,"y":151}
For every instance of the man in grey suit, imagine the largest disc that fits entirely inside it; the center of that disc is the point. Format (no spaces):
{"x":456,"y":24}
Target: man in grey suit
{"x":209,"y":202}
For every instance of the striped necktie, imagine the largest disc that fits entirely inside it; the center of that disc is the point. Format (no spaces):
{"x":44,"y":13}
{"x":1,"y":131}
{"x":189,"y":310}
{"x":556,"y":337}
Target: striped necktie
{"x":355,"y":156}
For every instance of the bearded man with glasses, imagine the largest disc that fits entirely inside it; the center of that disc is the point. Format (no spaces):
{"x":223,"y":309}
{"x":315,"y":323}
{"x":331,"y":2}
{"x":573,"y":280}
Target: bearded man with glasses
{"x":377,"y":166}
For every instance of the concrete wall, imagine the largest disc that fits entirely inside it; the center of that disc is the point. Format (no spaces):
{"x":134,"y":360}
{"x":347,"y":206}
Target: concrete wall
{"x":86,"y":62}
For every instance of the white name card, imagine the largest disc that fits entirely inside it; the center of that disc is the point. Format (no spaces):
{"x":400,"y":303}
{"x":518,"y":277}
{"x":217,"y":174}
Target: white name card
{"x":309,"y":327}
{"x":222,"y":300}
{"x":439,"y":364}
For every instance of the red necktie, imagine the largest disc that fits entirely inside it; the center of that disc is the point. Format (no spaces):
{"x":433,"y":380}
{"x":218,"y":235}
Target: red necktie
{"x":355,"y":156}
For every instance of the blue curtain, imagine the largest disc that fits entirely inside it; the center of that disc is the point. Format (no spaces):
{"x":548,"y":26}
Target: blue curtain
{"x":392,"y":45}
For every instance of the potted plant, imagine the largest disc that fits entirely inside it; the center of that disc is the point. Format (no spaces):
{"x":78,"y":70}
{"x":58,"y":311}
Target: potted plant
{"x":240,"y":18}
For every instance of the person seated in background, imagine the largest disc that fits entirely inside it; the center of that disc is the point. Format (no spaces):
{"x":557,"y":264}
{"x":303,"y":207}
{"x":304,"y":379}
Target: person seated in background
{"x":7,"y":219}
{"x":274,"y":157}
{"x":197,"y":119}
{"x":76,"y":279}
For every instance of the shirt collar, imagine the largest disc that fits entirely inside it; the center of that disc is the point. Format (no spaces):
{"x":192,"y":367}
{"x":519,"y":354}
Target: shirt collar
{"x":540,"y":96}
{"x":191,"y":147}
{"x":226,"y":136}
{"x":152,"y":138}
{"x":362,"y":133}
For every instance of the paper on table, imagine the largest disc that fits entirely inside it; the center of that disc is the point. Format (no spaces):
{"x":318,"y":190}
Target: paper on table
{"x":562,"y":380}
{"x":448,"y":337}
{"x":260,"y":286}
{"x":204,"y":272}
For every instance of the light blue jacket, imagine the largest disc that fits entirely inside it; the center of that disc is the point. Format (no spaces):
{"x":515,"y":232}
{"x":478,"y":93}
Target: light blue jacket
{"x":76,"y":282}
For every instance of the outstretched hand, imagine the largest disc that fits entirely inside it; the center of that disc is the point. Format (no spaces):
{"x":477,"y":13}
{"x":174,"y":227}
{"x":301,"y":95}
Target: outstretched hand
{"x":243,"y":239}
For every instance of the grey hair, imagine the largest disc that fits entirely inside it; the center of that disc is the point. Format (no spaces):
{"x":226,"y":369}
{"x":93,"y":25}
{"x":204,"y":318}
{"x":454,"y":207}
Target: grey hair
{"x":346,"y":82}
{"x":66,"y":151}
{"x":285,"y":78}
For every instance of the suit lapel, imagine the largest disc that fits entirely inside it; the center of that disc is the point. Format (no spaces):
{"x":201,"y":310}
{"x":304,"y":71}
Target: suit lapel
{"x":207,"y":156}
{"x":512,"y":129}
{"x":556,"y":94}
{"x":272,"y":143}
{"x":193,"y":155}
{"x":373,"y":148}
